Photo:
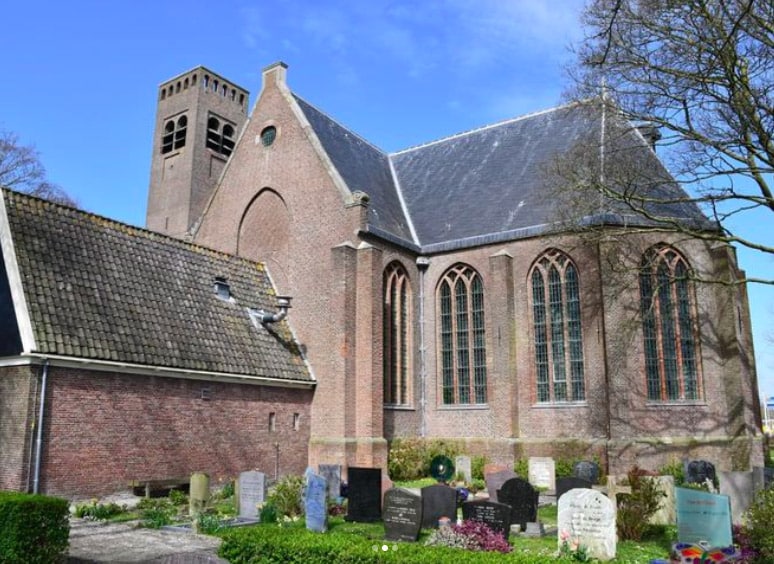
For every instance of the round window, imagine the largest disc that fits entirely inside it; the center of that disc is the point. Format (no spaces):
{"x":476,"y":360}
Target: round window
{"x":268,"y":135}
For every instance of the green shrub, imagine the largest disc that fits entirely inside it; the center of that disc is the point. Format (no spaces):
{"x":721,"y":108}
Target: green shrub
{"x":410,"y":458}
{"x":477,"y":464}
{"x":675,"y":469}
{"x":33,"y":528}
{"x":298,"y":546}
{"x":636,"y":509}
{"x":209,"y":523}
{"x":521,"y":467}
{"x":758,"y":524}
{"x":178,"y":497}
{"x":98,"y":511}
{"x":406,"y":459}
{"x":285,"y":496}
{"x":227,"y":490}
{"x":155,"y":518}
{"x":268,"y":513}
{"x":156,"y":512}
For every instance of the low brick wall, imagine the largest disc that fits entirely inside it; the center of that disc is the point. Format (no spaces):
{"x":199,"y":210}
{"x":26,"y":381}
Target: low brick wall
{"x":104,"y":429}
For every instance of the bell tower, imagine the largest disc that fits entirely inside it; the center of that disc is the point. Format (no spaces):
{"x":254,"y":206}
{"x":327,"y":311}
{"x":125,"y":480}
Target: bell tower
{"x":198,"y":119}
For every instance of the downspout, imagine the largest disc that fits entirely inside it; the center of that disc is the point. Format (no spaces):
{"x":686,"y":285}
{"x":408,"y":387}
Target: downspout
{"x":39,"y":437}
{"x":422,"y":264}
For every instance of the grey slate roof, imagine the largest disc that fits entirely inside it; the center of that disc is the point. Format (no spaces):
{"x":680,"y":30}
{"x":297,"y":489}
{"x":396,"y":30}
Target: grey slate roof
{"x":484,"y":185}
{"x":102,"y":290}
{"x":363,"y":167}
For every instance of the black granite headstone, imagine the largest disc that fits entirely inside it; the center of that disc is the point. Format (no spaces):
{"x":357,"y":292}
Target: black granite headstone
{"x":699,"y":471}
{"x":522,"y":498}
{"x":402,"y":515}
{"x":496,"y":515}
{"x":564,"y":485}
{"x":438,"y":501}
{"x":364,"y":494}
{"x":587,"y":470}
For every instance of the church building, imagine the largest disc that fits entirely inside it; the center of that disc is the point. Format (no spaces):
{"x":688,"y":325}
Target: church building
{"x":301,"y":297}
{"x":437,"y":292}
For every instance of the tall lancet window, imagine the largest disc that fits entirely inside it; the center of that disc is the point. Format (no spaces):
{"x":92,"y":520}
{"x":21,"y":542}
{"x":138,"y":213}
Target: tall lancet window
{"x":462,"y":337}
{"x":558,"y":336}
{"x":397,"y":336}
{"x":669,"y":326}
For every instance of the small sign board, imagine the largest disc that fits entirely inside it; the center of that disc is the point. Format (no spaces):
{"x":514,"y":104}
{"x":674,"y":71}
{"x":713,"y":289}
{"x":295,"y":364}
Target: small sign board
{"x":703,"y":517}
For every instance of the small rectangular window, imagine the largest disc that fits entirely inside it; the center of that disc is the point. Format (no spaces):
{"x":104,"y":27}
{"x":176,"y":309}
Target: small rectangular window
{"x":272,"y":422}
{"x":296,"y":421}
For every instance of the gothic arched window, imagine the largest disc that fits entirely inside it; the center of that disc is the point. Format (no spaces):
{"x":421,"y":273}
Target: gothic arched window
{"x":397,"y":336}
{"x":669,"y":326}
{"x":556,"y":320}
{"x":462,"y":337}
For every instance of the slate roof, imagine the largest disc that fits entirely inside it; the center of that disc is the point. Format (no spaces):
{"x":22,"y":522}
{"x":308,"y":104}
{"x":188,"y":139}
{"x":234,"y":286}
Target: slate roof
{"x":102,"y":290}
{"x":484,"y":185}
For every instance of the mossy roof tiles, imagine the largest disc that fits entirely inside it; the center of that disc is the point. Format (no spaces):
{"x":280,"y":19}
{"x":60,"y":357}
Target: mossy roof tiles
{"x":102,"y":290}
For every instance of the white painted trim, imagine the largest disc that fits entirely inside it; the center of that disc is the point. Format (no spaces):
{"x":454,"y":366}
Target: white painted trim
{"x":403,"y":205}
{"x":21,"y":311}
{"x":322,"y":154}
{"x":139,"y":369}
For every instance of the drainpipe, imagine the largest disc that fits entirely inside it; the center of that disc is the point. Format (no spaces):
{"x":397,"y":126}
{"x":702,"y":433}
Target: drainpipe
{"x":39,"y":437}
{"x":422,"y":264}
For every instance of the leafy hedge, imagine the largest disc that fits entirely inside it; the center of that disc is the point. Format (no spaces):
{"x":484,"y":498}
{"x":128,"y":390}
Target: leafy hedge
{"x":270,"y":544}
{"x":33,"y":528}
{"x":410,"y":458}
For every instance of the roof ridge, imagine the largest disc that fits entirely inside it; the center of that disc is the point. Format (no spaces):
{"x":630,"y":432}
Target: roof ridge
{"x":341,"y":125}
{"x":143,"y":232}
{"x":485,"y":127}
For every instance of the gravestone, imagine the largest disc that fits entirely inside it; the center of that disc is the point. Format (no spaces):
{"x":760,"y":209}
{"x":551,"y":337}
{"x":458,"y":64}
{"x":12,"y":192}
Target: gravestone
{"x":198,"y":493}
{"x":614,"y":488}
{"x":364,"y":490}
{"x":495,"y":481}
{"x":665,"y":515}
{"x":587,"y":517}
{"x":496,"y":515}
{"x":402,"y":515}
{"x":316,"y":503}
{"x":738,"y":486}
{"x":251,"y":492}
{"x":332,"y":475}
{"x":564,"y":485}
{"x":464,"y":468}
{"x":699,"y":471}
{"x":522,"y":498}
{"x":438,"y":501}
{"x":703,"y":517}
{"x":542,"y":472}
{"x":586,"y":470}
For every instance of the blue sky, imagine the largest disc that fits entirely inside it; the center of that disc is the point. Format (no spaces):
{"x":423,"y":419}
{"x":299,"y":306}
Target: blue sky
{"x":80,"y":82}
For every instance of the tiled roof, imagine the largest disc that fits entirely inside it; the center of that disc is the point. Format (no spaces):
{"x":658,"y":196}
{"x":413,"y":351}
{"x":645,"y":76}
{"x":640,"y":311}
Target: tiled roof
{"x":486,"y":185}
{"x":98,"y":289}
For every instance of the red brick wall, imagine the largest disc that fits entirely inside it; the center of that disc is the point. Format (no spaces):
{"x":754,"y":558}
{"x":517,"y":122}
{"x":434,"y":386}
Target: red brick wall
{"x":104,"y":429}
{"x":17,"y":410}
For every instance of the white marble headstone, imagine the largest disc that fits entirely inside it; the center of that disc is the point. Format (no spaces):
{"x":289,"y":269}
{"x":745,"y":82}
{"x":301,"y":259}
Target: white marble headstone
{"x":542,"y":472}
{"x":587,"y":517}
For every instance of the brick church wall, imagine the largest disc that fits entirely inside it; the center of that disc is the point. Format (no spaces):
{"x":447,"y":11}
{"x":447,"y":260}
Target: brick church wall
{"x":17,"y":410}
{"x":103,"y":429}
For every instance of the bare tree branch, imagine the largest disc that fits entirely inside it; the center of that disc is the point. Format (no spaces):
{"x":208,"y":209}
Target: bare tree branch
{"x":702,"y":71}
{"x":21,"y":169}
